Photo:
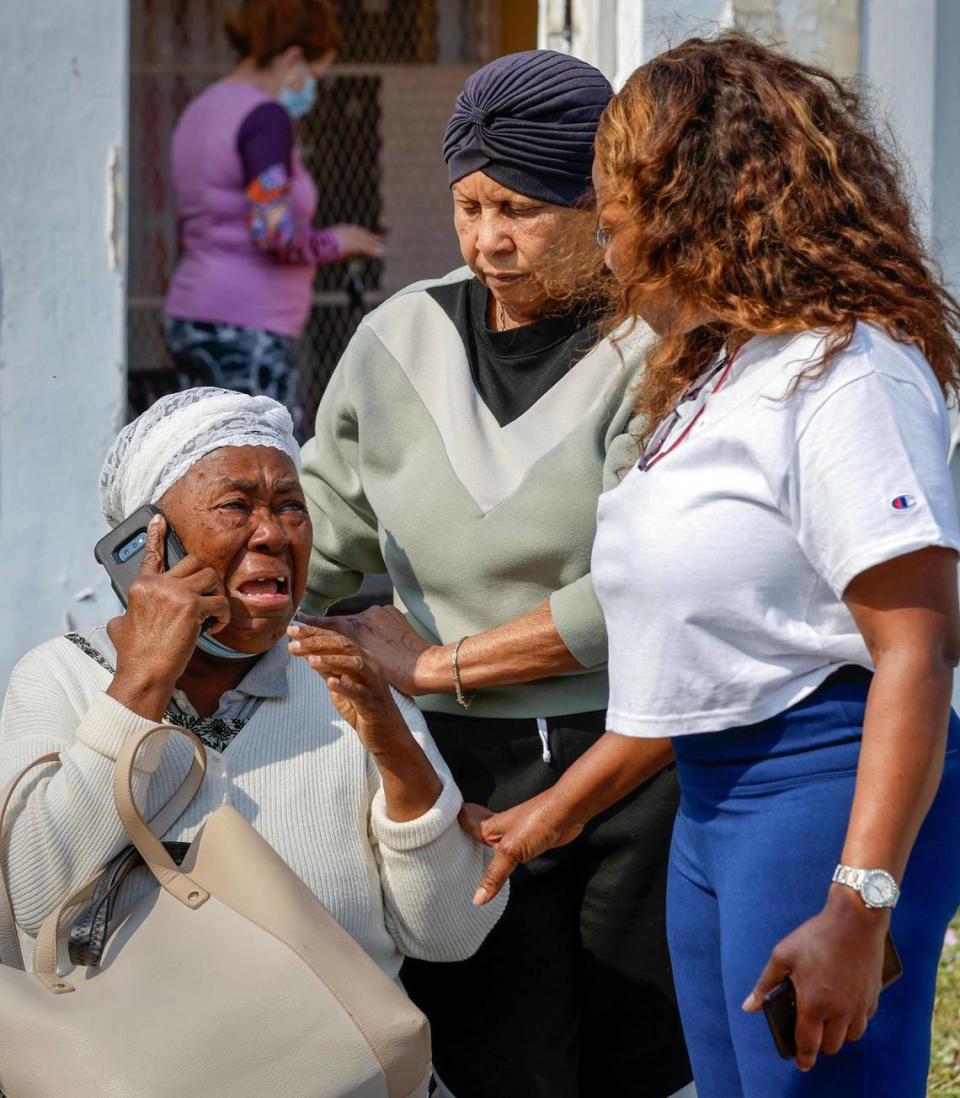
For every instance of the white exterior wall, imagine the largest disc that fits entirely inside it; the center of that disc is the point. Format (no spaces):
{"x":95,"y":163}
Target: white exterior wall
{"x":899,"y":64}
{"x":63,"y":87}
{"x":945,"y":222}
{"x":619,"y":35}
{"x":904,"y":52}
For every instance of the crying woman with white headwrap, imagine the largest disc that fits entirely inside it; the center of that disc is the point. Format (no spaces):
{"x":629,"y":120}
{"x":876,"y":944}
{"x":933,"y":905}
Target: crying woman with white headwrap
{"x":306,"y":739}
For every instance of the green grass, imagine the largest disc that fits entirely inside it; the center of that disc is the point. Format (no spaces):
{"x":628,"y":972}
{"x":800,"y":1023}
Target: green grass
{"x":945,"y":1060}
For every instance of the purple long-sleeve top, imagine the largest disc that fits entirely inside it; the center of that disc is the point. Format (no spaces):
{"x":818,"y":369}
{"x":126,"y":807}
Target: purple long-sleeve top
{"x":224,"y":276}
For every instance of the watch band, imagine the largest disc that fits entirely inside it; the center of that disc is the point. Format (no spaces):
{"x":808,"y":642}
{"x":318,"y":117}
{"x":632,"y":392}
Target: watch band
{"x":861,"y":880}
{"x":849,"y":875}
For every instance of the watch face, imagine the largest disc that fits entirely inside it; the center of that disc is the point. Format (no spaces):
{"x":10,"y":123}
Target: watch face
{"x":878,"y":889}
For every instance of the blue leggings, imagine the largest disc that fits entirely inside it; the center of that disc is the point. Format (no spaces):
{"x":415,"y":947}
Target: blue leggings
{"x":762,"y":818}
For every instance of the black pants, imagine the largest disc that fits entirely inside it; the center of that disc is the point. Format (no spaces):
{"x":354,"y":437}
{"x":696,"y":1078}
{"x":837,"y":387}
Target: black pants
{"x":571,"y":996}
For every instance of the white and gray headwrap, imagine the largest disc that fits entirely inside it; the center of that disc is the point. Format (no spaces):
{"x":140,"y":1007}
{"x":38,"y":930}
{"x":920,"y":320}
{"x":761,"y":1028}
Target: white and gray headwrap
{"x":155,"y":451}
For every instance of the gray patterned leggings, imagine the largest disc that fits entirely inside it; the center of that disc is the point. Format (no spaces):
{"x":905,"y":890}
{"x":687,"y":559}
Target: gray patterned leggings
{"x":246,"y":360}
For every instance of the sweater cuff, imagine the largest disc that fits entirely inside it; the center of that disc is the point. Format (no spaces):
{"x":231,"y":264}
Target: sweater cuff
{"x":327,"y":584}
{"x":578,"y":618}
{"x":108,"y":724}
{"x":328,"y":249}
{"x":424,"y":829}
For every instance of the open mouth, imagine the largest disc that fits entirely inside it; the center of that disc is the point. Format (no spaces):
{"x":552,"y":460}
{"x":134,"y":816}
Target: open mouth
{"x":264,"y":591}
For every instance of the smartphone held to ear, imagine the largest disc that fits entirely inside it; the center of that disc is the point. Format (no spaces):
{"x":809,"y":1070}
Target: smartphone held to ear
{"x":780,"y":1005}
{"x":121,"y":551}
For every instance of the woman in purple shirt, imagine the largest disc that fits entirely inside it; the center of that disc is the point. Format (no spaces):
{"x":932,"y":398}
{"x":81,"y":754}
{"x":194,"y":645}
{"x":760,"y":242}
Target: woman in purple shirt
{"x":240,"y":293}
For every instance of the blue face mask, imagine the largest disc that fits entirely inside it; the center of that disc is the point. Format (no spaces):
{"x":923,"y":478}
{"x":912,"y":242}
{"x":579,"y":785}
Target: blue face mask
{"x":213,"y":647}
{"x":301,"y":102}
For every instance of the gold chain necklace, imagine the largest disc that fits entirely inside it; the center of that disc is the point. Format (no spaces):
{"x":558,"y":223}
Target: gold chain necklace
{"x":501,"y":317}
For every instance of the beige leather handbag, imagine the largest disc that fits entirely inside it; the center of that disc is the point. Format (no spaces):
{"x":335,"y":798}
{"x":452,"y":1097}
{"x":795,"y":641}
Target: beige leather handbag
{"x":230,"y":979}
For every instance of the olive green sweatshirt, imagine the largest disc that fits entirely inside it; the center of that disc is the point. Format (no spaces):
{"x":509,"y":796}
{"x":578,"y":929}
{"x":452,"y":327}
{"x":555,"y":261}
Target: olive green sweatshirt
{"x":476,"y":521}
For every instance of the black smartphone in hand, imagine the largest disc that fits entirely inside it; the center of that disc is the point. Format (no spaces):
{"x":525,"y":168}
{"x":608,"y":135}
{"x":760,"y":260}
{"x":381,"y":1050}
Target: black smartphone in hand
{"x":121,"y":551}
{"x":780,"y":1005}
{"x":780,"y":1010}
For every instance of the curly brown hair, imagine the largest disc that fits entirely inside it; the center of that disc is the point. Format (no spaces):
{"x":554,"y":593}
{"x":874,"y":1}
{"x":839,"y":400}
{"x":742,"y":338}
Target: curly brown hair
{"x":572,"y":272}
{"x":262,"y":29}
{"x":754,"y":190}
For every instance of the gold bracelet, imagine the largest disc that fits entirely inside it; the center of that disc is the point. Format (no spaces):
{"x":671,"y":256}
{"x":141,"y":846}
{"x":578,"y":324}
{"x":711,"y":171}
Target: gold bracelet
{"x":465,"y":702}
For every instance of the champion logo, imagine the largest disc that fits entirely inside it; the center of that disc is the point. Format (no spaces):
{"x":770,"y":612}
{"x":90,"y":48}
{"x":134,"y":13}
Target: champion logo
{"x":903,"y":503}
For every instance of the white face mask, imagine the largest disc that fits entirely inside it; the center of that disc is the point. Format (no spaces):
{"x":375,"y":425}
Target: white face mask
{"x":301,"y":102}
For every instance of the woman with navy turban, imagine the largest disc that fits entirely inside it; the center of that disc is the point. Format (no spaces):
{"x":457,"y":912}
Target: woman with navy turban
{"x":461,"y":447}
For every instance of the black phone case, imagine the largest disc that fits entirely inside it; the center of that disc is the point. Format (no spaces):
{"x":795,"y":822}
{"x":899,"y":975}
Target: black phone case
{"x":780,"y":1010}
{"x":892,"y":965}
{"x":123,"y":572}
{"x":780,"y":1005}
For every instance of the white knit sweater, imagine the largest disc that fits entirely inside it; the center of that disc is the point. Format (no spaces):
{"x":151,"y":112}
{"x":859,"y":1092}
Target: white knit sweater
{"x":297,"y":771}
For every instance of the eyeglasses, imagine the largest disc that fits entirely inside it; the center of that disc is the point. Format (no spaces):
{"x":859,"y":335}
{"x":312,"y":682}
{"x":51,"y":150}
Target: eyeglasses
{"x":604,"y":236}
{"x":653,"y":451}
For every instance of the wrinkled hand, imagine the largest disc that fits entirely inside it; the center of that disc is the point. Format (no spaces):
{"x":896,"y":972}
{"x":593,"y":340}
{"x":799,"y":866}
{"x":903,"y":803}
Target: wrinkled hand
{"x":158,"y":632}
{"x":355,"y":240}
{"x":356,"y":682}
{"x":835,"y":961}
{"x":384,"y":632}
{"x":516,"y":835}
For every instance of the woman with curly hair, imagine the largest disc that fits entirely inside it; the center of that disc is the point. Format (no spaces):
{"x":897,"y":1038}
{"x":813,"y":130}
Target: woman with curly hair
{"x":778,"y":570}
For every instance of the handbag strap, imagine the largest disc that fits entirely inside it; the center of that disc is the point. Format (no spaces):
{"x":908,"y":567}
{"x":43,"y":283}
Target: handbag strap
{"x":158,"y":861}
{"x":10,"y":953}
{"x":162,"y":865}
{"x":45,"y":950}
{"x":182,"y":799}
{"x":152,"y":850}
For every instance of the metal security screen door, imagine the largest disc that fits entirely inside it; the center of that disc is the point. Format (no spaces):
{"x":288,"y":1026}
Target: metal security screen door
{"x":372,"y":144}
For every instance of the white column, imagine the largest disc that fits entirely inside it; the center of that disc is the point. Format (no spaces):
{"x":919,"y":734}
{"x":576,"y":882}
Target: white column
{"x":898,"y":42}
{"x":553,"y":25}
{"x":946,"y":143}
{"x":594,"y":30}
{"x":63,"y":84}
{"x":648,"y":27}
{"x":619,"y":35}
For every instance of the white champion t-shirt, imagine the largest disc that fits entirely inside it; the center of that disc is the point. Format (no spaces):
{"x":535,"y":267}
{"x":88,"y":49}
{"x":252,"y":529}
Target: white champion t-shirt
{"x":720,"y":568}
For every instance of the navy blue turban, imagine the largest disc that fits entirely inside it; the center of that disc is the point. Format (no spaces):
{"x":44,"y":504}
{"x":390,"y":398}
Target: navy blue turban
{"x":528,"y":120}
